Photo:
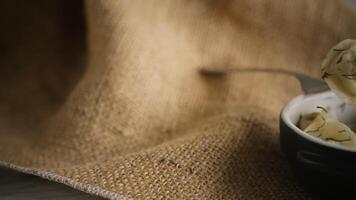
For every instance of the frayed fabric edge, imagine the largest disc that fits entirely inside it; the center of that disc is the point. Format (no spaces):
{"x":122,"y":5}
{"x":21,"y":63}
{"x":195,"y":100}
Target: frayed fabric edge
{"x":66,"y":181}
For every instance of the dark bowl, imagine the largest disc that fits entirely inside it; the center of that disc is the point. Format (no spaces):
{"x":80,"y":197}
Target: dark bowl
{"x":319,"y":165}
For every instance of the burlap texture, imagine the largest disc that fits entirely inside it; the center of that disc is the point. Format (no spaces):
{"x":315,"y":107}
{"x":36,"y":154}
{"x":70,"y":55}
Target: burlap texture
{"x":106,"y":96}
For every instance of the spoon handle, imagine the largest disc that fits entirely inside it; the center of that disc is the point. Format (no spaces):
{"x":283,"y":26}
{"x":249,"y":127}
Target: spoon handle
{"x":311,"y":85}
{"x":308,"y":84}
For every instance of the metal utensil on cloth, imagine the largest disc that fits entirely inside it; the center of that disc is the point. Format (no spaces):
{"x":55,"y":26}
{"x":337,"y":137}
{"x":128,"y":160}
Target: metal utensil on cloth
{"x":308,"y":84}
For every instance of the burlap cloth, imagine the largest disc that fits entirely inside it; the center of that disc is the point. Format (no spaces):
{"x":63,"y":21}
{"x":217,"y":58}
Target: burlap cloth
{"x":106,"y":96}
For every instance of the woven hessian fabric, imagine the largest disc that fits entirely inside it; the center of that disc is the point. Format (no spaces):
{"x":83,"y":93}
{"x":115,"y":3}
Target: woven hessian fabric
{"x":106,"y":95}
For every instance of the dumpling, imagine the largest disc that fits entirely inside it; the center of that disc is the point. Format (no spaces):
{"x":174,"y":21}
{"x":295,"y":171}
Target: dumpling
{"x":339,"y":70}
{"x":325,"y":127}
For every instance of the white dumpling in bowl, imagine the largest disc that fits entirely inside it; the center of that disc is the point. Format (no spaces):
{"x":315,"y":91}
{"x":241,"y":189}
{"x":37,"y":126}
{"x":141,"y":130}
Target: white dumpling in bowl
{"x":339,"y":70}
{"x":322,"y":125}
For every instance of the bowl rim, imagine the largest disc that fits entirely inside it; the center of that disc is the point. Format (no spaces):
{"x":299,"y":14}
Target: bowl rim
{"x":295,"y":101}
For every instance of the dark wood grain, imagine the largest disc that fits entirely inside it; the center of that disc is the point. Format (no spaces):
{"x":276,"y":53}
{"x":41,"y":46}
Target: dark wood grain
{"x":19,"y":186}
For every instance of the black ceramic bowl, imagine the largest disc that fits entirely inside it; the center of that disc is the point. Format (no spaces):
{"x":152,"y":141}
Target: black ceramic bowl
{"x":319,"y":164}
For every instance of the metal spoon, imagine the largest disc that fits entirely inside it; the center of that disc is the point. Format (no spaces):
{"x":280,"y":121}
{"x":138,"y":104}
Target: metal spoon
{"x":309,"y":84}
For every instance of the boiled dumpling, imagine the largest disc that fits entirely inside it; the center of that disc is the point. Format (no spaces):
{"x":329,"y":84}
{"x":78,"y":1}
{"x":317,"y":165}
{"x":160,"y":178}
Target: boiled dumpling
{"x":339,"y":70}
{"x":329,"y":129}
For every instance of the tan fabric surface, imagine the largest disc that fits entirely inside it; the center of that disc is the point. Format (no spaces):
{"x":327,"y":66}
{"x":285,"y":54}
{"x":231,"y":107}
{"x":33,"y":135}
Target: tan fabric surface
{"x":106,"y":95}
